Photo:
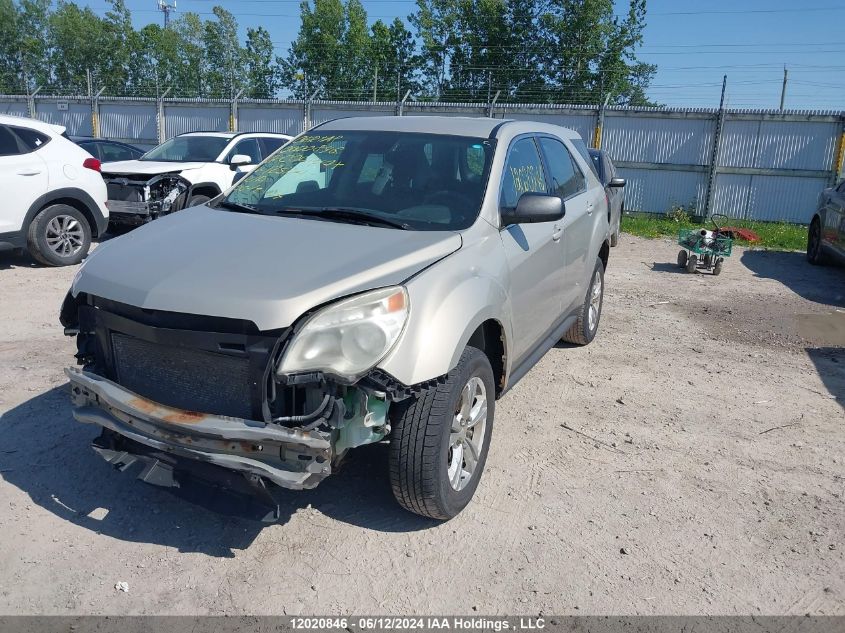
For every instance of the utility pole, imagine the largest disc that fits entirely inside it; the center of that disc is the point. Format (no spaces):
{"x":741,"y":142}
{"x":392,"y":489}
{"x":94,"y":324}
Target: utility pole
{"x":375,"y":86}
{"x":489,"y":84}
{"x":166,"y":8}
{"x":783,"y":90}
{"x":713,"y":167}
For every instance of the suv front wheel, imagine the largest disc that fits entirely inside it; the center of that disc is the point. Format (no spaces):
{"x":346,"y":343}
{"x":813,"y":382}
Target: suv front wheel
{"x":59,"y":236}
{"x":440,"y":440}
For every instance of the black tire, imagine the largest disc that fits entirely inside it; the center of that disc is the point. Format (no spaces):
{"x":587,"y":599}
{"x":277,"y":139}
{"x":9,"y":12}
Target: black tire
{"x":717,"y":269}
{"x":197,"y":200}
{"x":815,"y":254}
{"x":692,"y":263}
{"x":583,"y":331}
{"x":55,"y":228}
{"x":682,"y":259}
{"x":420,"y":441}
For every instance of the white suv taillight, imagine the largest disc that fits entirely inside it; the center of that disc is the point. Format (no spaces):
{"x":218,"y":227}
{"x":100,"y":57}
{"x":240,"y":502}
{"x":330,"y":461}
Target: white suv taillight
{"x":91,"y":163}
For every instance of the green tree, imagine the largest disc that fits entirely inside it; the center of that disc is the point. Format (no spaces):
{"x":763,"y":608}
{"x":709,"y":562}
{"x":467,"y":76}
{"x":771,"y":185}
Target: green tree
{"x":356,"y":68}
{"x":313,"y":63}
{"x":592,"y":53}
{"x":192,"y":56}
{"x":436,"y":23}
{"x":33,"y":26}
{"x":262,"y":70}
{"x":224,"y":57}
{"x":11,"y":81}
{"x":78,"y":42}
{"x":123,"y":44}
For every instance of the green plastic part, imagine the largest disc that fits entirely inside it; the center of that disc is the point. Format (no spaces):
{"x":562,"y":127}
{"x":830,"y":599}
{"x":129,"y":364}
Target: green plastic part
{"x":365,"y":421}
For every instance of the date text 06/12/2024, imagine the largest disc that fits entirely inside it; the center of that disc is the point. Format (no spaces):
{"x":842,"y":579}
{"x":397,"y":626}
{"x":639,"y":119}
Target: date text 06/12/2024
{"x":410,"y":623}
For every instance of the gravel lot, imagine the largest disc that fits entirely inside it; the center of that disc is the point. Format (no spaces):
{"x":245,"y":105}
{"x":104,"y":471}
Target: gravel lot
{"x":689,"y":461}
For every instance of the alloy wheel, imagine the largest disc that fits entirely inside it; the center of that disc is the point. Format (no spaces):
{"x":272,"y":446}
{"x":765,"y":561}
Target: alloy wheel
{"x":65,"y":235}
{"x":595,"y":302}
{"x":466,"y":438}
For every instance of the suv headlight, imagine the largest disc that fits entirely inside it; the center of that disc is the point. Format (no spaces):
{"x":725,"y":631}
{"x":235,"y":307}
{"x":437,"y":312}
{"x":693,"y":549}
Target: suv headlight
{"x":350,"y":337}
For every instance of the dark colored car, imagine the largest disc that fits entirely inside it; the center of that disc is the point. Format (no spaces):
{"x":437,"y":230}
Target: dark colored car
{"x":613,"y":186}
{"x":826,"y":238}
{"x":108,"y":151}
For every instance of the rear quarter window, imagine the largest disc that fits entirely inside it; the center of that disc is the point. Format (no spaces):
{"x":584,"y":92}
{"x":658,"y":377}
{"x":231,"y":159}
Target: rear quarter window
{"x":30,"y":140}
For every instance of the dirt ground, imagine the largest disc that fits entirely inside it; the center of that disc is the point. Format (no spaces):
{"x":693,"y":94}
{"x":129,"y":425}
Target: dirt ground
{"x":689,"y":461}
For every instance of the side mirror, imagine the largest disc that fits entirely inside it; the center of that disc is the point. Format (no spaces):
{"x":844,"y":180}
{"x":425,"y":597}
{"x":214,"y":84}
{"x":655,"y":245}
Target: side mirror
{"x":616,"y":182}
{"x":239,"y":160}
{"x":533,"y":208}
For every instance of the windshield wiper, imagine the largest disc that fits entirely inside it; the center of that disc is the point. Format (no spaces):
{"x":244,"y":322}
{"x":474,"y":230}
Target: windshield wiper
{"x":345,"y":213}
{"x":234,"y":206}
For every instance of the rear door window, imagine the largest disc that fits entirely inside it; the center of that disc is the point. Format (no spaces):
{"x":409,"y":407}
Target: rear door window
{"x":566,"y":176}
{"x":270,"y":144}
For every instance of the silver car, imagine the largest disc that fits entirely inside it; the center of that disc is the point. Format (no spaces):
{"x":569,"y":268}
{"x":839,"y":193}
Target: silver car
{"x":614,"y":188}
{"x":826,"y":236}
{"x":376,"y":279}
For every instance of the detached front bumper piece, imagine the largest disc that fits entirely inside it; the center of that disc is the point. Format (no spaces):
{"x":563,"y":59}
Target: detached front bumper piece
{"x":290,"y":458}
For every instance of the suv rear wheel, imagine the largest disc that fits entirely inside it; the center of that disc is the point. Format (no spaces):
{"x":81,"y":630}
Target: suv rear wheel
{"x":59,"y":236}
{"x":815,"y":254}
{"x":584,"y":330}
{"x":440,"y":440}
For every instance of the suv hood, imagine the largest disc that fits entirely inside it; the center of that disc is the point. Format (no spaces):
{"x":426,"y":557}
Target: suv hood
{"x":264,"y":269}
{"x":147,"y":167}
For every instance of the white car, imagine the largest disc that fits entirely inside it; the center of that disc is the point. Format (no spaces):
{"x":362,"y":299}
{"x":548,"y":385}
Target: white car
{"x":185,"y":171}
{"x":54,"y":197}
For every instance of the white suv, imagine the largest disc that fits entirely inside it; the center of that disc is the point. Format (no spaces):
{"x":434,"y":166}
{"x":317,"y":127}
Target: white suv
{"x":185,"y":171}
{"x":53,"y":193}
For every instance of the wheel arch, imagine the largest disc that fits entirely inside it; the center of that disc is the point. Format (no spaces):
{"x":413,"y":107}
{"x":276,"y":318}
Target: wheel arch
{"x":210,"y":189}
{"x":604,"y":253}
{"x":491,"y":339}
{"x":76,"y":198}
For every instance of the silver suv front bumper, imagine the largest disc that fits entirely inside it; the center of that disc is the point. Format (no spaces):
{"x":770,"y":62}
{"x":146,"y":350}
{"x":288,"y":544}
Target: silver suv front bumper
{"x":290,"y":458}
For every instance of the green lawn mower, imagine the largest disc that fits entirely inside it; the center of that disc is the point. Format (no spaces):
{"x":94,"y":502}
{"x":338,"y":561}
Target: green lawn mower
{"x":703,"y":249}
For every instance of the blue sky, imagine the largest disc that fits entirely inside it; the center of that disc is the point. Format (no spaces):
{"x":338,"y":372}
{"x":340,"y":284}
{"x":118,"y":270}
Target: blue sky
{"x":693,"y":43}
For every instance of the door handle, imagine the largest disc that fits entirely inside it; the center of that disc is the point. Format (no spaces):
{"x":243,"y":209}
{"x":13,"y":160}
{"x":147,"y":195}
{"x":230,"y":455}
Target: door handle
{"x":589,"y":208}
{"x":29,"y":173}
{"x":557,"y":232}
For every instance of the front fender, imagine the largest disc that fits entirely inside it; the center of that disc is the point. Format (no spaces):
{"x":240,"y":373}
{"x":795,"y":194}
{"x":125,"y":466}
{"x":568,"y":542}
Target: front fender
{"x":448,"y":302}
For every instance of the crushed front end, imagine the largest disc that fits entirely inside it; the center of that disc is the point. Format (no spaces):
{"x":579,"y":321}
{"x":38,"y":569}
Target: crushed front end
{"x":136,"y":199}
{"x":183,"y":395}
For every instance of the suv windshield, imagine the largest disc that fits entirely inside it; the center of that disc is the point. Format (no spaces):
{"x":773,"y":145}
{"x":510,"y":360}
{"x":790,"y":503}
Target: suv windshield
{"x":185,"y":149}
{"x":427,"y":182}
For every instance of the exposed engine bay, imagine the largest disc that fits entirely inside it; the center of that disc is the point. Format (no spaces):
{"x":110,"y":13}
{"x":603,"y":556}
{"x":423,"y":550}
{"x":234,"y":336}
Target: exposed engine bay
{"x":183,"y":394}
{"x":140,"y":198}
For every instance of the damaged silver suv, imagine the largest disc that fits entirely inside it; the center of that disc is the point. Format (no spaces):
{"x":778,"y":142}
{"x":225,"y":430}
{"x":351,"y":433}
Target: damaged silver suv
{"x":376,"y":279}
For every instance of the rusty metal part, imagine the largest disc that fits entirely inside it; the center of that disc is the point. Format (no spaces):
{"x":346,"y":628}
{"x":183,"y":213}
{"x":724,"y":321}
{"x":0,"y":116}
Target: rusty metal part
{"x":289,"y":457}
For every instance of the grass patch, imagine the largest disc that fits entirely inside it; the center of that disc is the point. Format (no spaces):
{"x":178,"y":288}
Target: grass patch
{"x":778,"y":236}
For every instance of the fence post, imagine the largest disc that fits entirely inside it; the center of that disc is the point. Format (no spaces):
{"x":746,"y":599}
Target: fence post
{"x":95,"y":114}
{"x":400,"y":105}
{"x":307,"y":111}
{"x":162,"y":136}
{"x":31,"y":103}
{"x":599,"y":130}
{"x":712,"y":169}
{"x":839,"y":157}
{"x":233,"y":112}
{"x":491,"y":108}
